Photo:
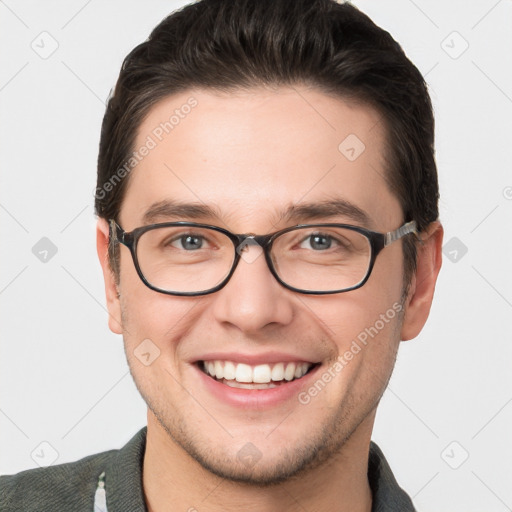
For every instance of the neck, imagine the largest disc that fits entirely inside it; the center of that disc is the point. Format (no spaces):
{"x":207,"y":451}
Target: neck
{"x":174,"y":480}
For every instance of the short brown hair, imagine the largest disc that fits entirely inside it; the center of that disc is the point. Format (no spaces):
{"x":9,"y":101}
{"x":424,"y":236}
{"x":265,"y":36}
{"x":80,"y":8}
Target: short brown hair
{"x":235,"y":44}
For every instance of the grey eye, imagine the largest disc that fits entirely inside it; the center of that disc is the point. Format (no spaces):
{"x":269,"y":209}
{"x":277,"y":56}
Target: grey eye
{"x":317,"y":242}
{"x":188,"y":242}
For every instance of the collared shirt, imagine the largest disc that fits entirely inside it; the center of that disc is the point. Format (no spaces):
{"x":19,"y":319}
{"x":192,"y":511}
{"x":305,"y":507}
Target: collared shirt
{"x":112,"y":481}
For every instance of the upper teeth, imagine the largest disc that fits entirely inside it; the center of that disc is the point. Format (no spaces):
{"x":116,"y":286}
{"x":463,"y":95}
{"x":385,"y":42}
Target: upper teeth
{"x":262,"y":373}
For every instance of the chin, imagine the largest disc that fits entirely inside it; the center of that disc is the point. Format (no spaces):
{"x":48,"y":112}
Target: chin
{"x":254,"y":469}
{"x":248,"y":463}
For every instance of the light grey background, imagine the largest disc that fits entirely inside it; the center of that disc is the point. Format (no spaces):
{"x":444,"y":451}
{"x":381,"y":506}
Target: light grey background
{"x":64,"y":379}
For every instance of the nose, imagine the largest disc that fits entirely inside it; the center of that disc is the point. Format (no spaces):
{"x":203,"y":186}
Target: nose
{"x":253,"y":299}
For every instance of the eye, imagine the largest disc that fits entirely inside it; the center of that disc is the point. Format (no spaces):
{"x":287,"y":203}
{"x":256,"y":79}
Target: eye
{"x":317,"y":242}
{"x":188,"y":242}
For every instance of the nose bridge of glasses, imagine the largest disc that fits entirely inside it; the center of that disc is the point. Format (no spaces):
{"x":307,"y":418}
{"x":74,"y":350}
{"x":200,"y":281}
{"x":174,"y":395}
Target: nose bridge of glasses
{"x":244,"y":241}
{"x":249,"y":246}
{"x":249,"y":254}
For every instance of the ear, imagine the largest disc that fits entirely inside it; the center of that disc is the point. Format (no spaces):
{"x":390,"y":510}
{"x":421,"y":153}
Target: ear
{"x":423,"y":282}
{"x":111,"y":289}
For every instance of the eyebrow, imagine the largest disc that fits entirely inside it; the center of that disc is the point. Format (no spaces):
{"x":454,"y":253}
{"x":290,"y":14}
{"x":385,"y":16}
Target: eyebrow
{"x":168,"y":208}
{"x":325,"y":209}
{"x":294,"y":213}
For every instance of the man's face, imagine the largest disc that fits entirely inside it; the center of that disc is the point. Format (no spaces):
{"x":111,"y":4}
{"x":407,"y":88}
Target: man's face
{"x":250,"y":156}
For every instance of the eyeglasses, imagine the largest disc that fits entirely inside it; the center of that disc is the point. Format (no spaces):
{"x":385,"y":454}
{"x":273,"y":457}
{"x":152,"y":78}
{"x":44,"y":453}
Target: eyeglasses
{"x":186,"y":258}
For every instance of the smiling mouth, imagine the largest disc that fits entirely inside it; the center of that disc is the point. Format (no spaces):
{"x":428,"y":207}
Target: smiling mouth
{"x":262,"y":376}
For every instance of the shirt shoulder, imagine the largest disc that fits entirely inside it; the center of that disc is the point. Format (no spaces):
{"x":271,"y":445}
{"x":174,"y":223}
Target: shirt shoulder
{"x":69,"y":486}
{"x":72,"y":486}
{"x":388,"y":496}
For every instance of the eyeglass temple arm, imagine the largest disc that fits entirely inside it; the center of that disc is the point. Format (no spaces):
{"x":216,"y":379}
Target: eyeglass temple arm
{"x":392,"y":236}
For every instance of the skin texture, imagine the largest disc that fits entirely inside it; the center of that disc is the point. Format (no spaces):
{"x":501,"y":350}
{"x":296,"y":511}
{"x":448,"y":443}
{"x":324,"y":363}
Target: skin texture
{"x":250,"y":154}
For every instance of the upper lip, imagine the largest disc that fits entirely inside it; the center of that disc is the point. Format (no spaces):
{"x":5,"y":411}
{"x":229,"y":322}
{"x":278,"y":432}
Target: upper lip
{"x":254,"y":359}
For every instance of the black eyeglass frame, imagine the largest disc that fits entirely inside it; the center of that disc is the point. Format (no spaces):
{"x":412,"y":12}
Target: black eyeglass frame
{"x":378,"y":241}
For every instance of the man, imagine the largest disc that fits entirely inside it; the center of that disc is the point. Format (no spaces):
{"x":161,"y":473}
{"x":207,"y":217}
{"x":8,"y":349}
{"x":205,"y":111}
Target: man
{"x":268,"y":234}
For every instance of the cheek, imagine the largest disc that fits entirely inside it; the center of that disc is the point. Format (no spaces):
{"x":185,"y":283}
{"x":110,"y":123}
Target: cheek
{"x":163,"y":319}
{"x":146,"y":312}
{"x":374,"y":308}
{"x":366,"y":341}
{"x":364,"y":329}
{"x":153,"y":322}
{"x":153,"y":327}
{"x":387,"y":277}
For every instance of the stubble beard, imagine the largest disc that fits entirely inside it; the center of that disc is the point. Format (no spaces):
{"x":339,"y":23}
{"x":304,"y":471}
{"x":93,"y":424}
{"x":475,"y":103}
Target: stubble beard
{"x":320,"y":448}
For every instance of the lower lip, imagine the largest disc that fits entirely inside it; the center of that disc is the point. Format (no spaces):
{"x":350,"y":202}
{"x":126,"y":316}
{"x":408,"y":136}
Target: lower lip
{"x":255,"y":398}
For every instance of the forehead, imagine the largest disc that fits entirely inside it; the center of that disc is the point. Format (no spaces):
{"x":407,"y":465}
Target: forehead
{"x":251,"y":155}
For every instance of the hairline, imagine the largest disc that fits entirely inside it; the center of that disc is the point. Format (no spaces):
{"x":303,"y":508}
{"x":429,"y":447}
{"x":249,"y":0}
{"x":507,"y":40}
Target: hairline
{"x":350,"y":97}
